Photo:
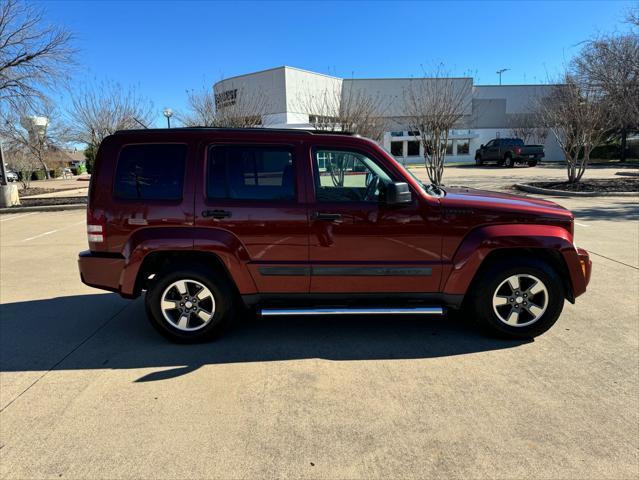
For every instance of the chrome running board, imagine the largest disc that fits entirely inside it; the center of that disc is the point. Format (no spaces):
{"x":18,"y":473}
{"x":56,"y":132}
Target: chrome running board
{"x":293,"y":312}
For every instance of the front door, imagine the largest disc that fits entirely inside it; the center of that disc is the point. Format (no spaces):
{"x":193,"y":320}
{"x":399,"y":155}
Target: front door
{"x":252,"y":199}
{"x":358,"y":244}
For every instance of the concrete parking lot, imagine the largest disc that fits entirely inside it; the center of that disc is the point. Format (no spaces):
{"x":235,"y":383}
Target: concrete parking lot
{"x":89,"y":390}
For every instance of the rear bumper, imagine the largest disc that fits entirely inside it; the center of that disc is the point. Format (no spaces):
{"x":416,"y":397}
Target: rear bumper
{"x":101,"y":271}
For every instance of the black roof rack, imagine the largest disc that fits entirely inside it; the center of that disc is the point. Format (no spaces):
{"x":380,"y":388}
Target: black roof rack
{"x":297,"y":131}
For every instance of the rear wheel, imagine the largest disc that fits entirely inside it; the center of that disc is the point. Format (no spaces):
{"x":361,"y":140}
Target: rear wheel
{"x":508,"y":161}
{"x":189,"y":305}
{"x":518,"y":298}
{"x":532,"y":163}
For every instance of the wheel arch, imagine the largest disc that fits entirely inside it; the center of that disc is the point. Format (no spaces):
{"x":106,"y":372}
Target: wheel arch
{"x":486,"y":245}
{"x":552,"y":257}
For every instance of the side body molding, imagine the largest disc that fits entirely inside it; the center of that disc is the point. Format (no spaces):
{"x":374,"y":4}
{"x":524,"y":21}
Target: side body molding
{"x":483,"y":240}
{"x":228,"y":249}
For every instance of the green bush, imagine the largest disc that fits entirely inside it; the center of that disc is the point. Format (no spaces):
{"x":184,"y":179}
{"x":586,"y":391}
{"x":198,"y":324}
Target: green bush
{"x":606,"y":151}
{"x":75,"y":170}
{"x":55,"y":173}
{"x":38,"y":175}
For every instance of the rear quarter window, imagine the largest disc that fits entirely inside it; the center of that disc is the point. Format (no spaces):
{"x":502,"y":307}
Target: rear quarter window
{"x":150,"y":172}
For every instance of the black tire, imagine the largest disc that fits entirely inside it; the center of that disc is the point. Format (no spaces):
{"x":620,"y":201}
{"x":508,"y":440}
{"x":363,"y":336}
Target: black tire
{"x":224,"y":304}
{"x":485,"y":286}
{"x":509,"y":162}
{"x":478,"y":160}
{"x":532,"y":163}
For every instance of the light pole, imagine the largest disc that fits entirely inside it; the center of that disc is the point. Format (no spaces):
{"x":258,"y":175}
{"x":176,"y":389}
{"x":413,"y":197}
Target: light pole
{"x":499,"y":72}
{"x":168,"y":113}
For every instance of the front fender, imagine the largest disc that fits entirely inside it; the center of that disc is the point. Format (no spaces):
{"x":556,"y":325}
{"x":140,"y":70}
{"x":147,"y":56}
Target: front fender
{"x":480,"y":242}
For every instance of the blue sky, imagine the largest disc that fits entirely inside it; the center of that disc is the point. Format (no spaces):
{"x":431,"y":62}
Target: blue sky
{"x":167,"y":47}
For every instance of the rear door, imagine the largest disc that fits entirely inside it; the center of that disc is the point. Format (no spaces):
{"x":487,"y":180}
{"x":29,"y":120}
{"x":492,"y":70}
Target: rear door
{"x":492,"y":150}
{"x":358,"y":244}
{"x":252,"y":190}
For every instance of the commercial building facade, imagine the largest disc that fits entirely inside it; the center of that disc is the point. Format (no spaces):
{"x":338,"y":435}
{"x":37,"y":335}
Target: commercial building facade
{"x":490,"y":111}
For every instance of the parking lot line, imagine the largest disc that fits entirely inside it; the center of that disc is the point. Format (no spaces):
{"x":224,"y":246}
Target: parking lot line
{"x":52,"y":231}
{"x":13,"y":216}
{"x":582,"y":224}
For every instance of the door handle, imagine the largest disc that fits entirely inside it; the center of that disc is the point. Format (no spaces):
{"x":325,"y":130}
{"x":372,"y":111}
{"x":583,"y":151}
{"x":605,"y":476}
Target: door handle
{"x":216,"y":214}
{"x":328,"y":217}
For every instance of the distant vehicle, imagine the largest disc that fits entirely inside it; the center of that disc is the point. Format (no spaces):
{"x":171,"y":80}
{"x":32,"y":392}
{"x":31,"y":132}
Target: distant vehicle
{"x":11,"y":176}
{"x":509,"y":151}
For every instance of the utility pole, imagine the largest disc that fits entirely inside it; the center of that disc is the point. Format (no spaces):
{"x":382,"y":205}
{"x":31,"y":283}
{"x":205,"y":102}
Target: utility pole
{"x":499,"y":72}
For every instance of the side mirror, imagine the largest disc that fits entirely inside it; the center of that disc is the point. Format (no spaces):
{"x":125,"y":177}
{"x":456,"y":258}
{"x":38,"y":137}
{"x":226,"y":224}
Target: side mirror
{"x":481,"y":146}
{"x":398,"y":193}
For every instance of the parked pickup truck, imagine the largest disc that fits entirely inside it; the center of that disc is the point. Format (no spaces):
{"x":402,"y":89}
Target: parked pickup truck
{"x":508,"y":152}
{"x":211,"y":222}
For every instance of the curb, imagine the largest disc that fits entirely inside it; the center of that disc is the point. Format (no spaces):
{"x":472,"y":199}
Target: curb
{"x":561,"y":193}
{"x":44,"y":208}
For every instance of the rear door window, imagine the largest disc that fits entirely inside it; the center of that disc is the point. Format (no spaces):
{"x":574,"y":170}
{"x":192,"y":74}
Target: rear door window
{"x":249,"y":172}
{"x":150,"y":172}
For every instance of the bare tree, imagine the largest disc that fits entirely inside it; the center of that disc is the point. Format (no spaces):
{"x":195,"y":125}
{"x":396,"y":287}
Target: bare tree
{"x":23,"y":163}
{"x":233,"y":108}
{"x":633,"y":16}
{"x":34,"y":133}
{"x":99,"y":110}
{"x":526,"y":126}
{"x":576,"y":115}
{"x":33,"y":54}
{"x":609,"y":65}
{"x":434,"y":106}
{"x":343,"y":108}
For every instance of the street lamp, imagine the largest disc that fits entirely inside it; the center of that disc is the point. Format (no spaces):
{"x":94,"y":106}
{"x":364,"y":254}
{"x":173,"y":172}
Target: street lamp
{"x":499,"y":72}
{"x":168,"y":113}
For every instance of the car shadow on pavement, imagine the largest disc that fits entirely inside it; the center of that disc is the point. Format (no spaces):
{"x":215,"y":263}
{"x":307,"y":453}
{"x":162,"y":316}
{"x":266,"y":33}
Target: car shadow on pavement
{"x":103,"y":331}
{"x":617,"y":211}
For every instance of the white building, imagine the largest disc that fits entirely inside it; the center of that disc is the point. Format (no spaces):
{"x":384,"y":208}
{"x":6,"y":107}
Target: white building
{"x":490,"y":111}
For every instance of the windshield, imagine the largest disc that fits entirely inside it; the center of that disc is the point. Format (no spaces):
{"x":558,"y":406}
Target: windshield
{"x":430,"y":189}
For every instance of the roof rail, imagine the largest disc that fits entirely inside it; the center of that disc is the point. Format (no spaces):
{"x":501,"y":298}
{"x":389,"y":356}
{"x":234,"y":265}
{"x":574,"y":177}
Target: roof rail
{"x":297,"y":131}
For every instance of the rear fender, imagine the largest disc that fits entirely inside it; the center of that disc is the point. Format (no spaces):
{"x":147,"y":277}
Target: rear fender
{"x":224,"y":245}
{"x":480,"y":242}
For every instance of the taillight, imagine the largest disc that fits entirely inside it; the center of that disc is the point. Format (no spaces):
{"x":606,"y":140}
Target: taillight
{"x":95,"y":233}
{"x":518,"y":150}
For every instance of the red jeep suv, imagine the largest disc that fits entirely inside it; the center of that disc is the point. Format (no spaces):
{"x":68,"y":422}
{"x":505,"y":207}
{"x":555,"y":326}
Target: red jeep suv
{"x":293,"y":222}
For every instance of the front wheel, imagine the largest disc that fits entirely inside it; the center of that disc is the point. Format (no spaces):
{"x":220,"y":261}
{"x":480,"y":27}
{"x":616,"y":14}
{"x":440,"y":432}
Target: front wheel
{"x":478,"y":160}
{"x":532,"y":163}
{"x":189,"y":305}
{"x":518,"y":299}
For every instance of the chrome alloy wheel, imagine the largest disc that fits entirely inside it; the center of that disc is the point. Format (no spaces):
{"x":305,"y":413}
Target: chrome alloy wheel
{"x":520,"y":300}
{"x":188,"y":305}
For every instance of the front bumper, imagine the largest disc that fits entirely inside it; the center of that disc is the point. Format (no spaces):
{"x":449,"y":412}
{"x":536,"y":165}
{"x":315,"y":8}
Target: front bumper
{"x":101,"y":270}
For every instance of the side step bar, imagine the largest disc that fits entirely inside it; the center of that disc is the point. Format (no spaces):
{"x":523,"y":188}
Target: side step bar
{"x":293,"y":312}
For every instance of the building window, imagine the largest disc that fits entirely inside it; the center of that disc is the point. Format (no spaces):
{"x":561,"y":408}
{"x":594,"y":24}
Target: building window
{"x":413,"y":148}
{"x":397,"y":149}
{"x":322,"y":120}
{"x":413,"y":133}
{"x":397,"y":134}
{"x":225,"y":98}
{"x":449,"y":147}
{"x":463,"y":147}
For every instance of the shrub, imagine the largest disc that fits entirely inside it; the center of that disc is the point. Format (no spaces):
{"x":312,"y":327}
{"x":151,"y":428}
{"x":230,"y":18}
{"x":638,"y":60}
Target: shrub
{"x":38,"y":175}
{"x":606,"y":151}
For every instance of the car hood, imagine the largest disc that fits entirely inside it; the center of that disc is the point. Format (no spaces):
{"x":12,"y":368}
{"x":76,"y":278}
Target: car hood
{"x":464,"y":197}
